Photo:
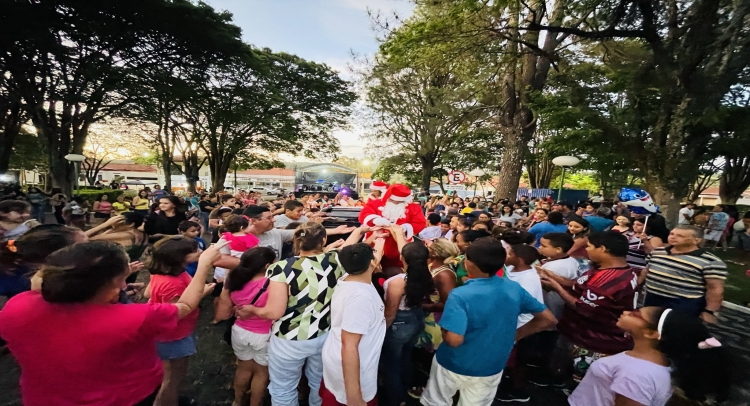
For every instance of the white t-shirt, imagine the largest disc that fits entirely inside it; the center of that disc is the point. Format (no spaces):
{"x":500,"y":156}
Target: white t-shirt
{"x":431,"y":233}
{"x":568,"y":269}
{"x":683,"y":212}
{"x":565,"y":267}
{"x":529,"y":280}
{"x":357,"y":308}
{"x":282,"y":220}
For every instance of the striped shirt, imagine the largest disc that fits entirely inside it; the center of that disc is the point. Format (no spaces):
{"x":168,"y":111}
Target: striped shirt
{"x":682,"y":275}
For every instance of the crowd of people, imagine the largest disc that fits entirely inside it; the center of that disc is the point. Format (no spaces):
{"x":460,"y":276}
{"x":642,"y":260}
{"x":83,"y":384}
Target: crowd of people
{"x":424,"y":300}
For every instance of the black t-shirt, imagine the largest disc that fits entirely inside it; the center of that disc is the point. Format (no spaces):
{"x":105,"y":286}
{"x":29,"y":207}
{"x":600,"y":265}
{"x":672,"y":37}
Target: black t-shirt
{"x":158,"y":223}
{"x":206,"y":206}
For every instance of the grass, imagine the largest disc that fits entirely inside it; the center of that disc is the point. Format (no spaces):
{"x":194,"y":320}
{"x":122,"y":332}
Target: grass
{"x":737,"y":289}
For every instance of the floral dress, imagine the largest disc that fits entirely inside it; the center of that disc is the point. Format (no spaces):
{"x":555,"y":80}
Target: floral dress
{"x":431,"y":337}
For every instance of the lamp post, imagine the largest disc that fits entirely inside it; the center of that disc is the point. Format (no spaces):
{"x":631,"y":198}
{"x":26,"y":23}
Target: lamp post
{"x":360,"y":189}
{"x":564,"y":162}
{"x":476,"y":173}
{"x":76,"y":159}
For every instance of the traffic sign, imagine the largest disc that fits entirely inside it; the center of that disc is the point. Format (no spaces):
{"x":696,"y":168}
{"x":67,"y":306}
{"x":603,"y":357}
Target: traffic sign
{"x":456,"y":177}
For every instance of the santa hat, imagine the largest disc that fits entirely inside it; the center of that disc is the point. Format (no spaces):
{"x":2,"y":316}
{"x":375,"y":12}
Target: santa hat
{"x":399,"y":193}
{"x":379,"y":185}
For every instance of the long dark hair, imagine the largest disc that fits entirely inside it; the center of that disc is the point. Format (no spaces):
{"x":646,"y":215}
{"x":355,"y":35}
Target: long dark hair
{"x":701,"y":373}
{"x":76,"y":273}
{"x":179,"y":206}
{"x":252,"y":262}
{"x":419,"y":283}
{"x":34,"y":246}
{"x":168,"y":255}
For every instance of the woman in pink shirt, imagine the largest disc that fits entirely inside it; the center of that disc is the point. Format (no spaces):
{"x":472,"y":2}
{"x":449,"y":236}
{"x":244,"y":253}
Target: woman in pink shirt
{"x":76,"y":345}
{"x":167,"y":265}
{"x":246,"y":285}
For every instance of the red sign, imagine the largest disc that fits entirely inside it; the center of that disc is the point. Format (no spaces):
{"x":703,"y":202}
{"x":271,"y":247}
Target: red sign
{"x":456,"y":177}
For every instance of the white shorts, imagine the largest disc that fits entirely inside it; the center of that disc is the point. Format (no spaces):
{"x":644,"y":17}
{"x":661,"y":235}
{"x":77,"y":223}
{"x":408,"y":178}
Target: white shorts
{"x":443,"y":384}
{"x":712,"y":235}
{"x":250,"y":346}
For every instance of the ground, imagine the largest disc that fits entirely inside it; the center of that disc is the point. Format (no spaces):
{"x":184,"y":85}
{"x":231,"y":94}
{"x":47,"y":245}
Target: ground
{"x":212,"y":369}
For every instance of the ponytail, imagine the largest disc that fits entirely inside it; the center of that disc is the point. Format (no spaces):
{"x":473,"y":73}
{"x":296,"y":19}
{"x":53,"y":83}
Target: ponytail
{"x":419,"y":282}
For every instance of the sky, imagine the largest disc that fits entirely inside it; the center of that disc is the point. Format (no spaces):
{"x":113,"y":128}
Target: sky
{"x":326,"y":31}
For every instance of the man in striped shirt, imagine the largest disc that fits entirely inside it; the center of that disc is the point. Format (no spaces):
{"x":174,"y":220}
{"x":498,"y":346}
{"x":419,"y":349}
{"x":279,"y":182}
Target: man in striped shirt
{"x":684,"y":277}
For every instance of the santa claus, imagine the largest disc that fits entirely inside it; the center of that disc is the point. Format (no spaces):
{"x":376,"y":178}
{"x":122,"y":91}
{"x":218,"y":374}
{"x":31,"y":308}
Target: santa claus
{"x":377,"y":188}
{"x":396,"y":207}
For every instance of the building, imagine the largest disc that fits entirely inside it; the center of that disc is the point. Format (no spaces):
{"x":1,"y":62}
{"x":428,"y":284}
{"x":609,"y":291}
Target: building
{"x":710,"y":197}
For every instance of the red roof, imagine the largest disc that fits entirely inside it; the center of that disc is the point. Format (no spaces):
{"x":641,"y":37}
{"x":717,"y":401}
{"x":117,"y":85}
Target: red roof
{"x":275,"y":171}
{"x":129,"y":167}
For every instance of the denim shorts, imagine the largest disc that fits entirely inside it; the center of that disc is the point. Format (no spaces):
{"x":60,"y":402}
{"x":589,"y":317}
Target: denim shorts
{"x":177,"y":349}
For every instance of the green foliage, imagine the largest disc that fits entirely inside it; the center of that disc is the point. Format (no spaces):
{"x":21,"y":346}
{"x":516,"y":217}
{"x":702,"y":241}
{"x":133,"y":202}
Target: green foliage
{"x":92,"y":194}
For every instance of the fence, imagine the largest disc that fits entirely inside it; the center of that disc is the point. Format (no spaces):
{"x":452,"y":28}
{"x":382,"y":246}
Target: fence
{"x":568,"y":195}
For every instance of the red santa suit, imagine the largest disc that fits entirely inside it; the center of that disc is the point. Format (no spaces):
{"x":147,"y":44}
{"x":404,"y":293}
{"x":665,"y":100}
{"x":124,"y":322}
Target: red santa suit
{"x":411,"y":218}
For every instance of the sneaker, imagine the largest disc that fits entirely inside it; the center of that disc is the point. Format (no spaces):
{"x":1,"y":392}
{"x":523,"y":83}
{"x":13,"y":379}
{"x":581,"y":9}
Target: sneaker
{"x":544,"y":381}
{"x":513,"y":395}
{"x":415,"y":392}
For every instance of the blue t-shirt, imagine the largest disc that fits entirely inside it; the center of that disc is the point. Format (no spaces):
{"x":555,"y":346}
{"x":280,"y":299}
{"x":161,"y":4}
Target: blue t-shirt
{"x":485,"y":311}
{"x":192,"y":267}
{"x":599,"y":224}
{"x":545,"y":227}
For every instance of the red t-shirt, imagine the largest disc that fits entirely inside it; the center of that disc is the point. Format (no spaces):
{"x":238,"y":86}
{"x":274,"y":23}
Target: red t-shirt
{"x":603,"y":295}
{"x":167,"y":288}
{"x":84,"y":354}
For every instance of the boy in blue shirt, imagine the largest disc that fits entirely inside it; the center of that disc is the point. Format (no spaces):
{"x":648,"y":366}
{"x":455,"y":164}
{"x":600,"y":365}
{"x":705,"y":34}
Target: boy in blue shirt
{"x":479,"y":329}
{"x":191,"y":229}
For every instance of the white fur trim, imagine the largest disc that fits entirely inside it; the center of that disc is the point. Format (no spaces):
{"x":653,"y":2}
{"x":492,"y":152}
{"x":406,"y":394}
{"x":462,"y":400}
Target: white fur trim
{"x":380,"y":188}
{"x":400,"y":199}
{"x":408,"y":231}
{"x":370,"y":218}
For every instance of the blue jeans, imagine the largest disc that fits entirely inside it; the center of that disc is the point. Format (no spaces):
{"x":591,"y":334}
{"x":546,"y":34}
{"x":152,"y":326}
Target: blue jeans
{"x":395,"y":358}
{"x":692,"y":307}
{"x":285,"y":361}
{"x":37,"y":212}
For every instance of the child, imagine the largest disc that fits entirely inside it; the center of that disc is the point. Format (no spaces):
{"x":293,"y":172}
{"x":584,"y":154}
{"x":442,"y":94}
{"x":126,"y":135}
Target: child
{"x":352,"y":349}
{"x":668,"y":344}
{"x":239,"y":242}
{"x":121,"y":206}
{"x":555,"y":247}
{"x":167,"y":263}
{"x":463,"y":240}
{"x":246,"y":285}
{"x":518,"y":263}
{"x":479,"y":327}
{"x":191,"y":230}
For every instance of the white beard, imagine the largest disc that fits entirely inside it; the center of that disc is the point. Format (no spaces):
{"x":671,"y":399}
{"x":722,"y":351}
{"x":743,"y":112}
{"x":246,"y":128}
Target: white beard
{"x":393,"y":211}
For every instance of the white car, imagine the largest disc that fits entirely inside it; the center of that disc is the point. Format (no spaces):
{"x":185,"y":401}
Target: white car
{"x":276,"y":191}
{"x":259,"y":189}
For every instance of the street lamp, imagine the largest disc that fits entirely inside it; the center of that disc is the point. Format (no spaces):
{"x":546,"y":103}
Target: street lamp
{"x":476,"y":173}
{"x":564,"y":161}
{"x":360,"y":185}
{"x":76,"y":159}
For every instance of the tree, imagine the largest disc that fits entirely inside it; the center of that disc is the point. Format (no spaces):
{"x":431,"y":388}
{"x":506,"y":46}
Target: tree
{"x":68,"y":60}
{"x":269,"y":102}
{"x":422,"y":114}
{"x":507,"y":64}
{"x":12,"y":117}
{"x":731,"y":146}
{"x":694,"y":53}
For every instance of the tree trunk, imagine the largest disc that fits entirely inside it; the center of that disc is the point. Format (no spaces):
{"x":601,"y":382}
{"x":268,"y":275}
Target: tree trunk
{"x":734,"y":180}
{"x":427,"y":169}
{"x":219,"y":166}
{"x":668,"y":202}
{"x":11,"y":127}
{"x":511,"y":165}
{"x":166,"y":167}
